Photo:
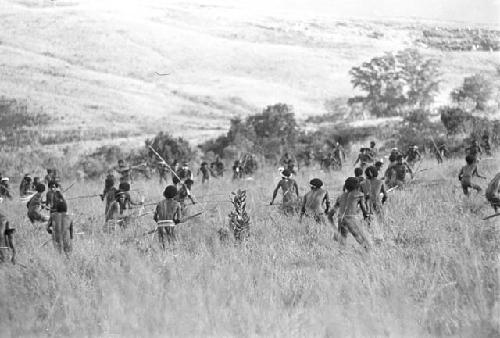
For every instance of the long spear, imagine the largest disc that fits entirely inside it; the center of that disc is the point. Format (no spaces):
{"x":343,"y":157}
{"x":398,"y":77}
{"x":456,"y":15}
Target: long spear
{"x":163,"y":162}
{"x":85,"y":196}
{"x":491,"y":216}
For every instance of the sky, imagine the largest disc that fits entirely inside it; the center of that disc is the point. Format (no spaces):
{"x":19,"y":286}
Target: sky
{"x":479,"y":11}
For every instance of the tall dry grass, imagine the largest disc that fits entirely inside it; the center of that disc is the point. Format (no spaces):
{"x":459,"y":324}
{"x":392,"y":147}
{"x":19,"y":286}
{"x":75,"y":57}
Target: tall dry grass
{"x":436,"y":273}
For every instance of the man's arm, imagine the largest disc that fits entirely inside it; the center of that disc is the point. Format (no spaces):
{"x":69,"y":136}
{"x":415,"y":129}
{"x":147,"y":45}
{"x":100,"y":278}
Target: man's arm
{"x":326,"y":198}
{"x":303,"y":209}
{"x":296,"y":186}
{"x":384,"y":193}
{"x":275,"y":192}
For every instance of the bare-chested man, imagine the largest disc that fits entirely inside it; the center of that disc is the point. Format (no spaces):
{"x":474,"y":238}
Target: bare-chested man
{"x":168,"y":213}
{"x":60,"y":226}
{"x":312,"y":204}
{"x":467,"y":173}
{"x":290,"y":191}
{"x":346,"y":208}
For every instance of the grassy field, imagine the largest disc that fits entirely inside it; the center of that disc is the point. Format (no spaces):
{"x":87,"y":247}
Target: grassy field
{"x":91,"y":64}
{"x":435,"y":274}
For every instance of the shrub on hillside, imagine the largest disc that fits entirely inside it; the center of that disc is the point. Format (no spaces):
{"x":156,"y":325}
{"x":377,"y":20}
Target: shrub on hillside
{"x":170,"y":148}
{"x":477,"y":88}
{"x":394,"y":82}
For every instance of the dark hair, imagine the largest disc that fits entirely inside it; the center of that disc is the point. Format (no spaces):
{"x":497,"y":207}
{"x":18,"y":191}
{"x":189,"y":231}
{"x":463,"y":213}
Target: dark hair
{"x":286,"y":173}
{"x":124,"y":186}
{"x":40,"y":187}
{"x":316,"y":182}
{"x":175,"y":179}
{"x":470,"y":159}
{"x":358,"y":172}
{"x":189,"y":181}
{"x":351,"y":183}
{"x":170,"y":191}
{"x":371,"y":172}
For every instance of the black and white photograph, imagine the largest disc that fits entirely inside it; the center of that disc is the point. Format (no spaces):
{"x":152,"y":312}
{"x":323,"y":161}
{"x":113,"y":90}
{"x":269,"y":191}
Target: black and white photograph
{"x":249,"y":168}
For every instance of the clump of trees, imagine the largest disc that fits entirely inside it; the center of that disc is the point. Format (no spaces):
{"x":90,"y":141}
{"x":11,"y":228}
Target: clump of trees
{"x":394,"y":84}
{"x":476,"y":89}
{"x":266,"y":133}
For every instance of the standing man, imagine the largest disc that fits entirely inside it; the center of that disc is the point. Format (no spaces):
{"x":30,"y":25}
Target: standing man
{"x":6,"y":239}
{"x":167,"y":214}
{"x":205,"y":172}
{"x":346,"y":208}
{"x":312,"y":204}
{"x":290,"y":191}
{"x":60,"y":226}
{"x":467,"y":173}
{"x":412,"y":155}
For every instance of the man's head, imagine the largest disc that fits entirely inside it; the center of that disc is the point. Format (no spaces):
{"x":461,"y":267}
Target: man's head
{"x":170,"y":191}
{"x":286,"y":173}
{"x":399,"y":159}
{"x":120,"y":196}
{"x":379,"y":164}
{"x":372,"y":144}
{"x":49,"y":171}
{"x":40,"y":187}
{"x":358,"y":172}
{"x":176,"y":180}
{"x":316,"y":183}
{"x":371,"y":172}
{"x":53,"y":185}
{"x":189,"y":182}
{"x":124,"y":186}
{"x":121,"y":162}
{"x":469,"y":159}
{"x":351,"y":184}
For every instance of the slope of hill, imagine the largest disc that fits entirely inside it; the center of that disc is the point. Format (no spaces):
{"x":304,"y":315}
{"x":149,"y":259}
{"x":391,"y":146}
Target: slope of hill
{"x":91,"y":64}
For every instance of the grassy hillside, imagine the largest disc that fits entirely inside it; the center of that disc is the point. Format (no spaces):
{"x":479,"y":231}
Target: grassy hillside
{"x":436,"y":273}
{"x":92,"y":63}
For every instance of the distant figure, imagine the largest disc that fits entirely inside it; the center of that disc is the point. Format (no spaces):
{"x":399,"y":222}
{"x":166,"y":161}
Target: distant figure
{"x":25,"y":186}
{"x":397,"y":173}
{"x":375,"y":188}
{"x":35,"y":206}
{"x":412,"y":156}
{"x":339,"y":155}
{"x":486,"y":143}
{"x":205,"y":172}
{"x":60,"y":226}
{"x":183,"y":193}
{"x":217,"y":167}
{"x":4,"y":188}
{"x":312,"y":204}
{"x":6,"y":239}
{"x":167,"y":214}
{"x":467,"y":173}
{"x":493,"y":192}
{"x":237,"y":170}
{"x":290,"y":191}
{"x":124,"y":171}
{"x":373,"y":151}
{"x":474,"y":150}
{"x":185,"y":173}
{"x":364,"y":158}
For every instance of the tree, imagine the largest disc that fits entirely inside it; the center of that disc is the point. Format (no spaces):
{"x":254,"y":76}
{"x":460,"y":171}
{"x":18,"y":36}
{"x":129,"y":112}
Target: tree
{"x":393,"y":83}
{"x":420,"y":75}
{"x":454,"y":119}
{"x":170,"y":148}
{"x":476,"y":88}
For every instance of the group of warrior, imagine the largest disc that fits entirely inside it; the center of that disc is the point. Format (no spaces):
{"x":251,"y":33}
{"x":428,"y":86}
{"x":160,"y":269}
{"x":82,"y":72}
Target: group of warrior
{"x":364,"y":193}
